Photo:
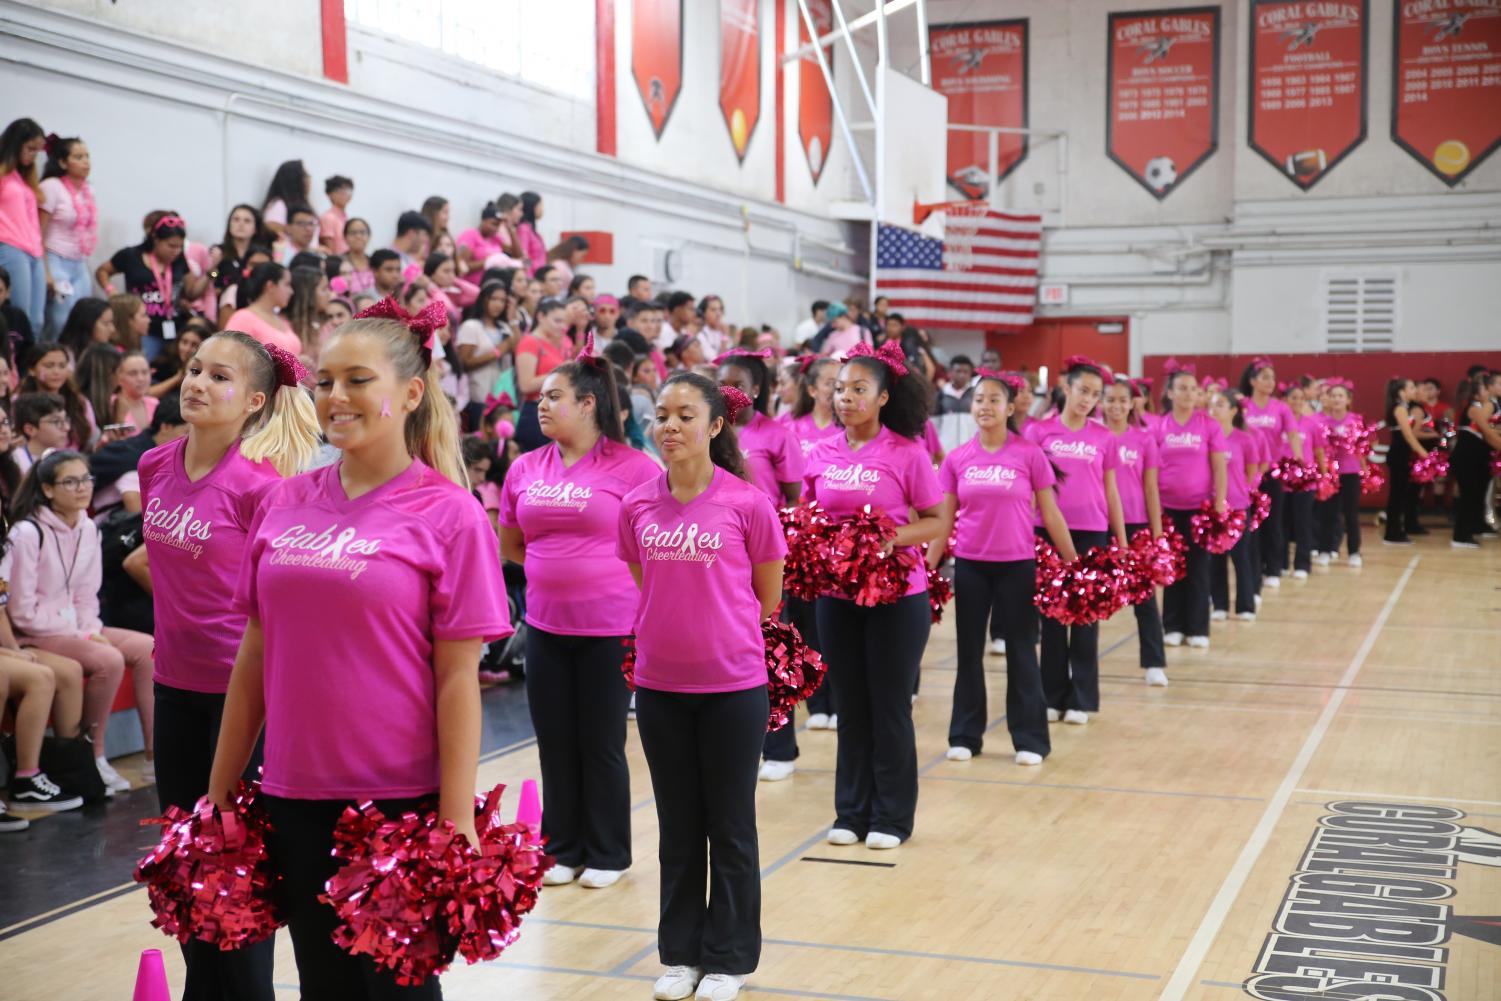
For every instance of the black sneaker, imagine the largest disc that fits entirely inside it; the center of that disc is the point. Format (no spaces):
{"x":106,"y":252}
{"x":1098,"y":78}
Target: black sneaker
{"x":10,"y":822}
{"x":41,"y":793}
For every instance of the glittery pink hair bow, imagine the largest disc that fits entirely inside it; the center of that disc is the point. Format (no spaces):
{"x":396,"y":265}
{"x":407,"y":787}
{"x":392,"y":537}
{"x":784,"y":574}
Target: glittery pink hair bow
{"x":1173,"y":366}
{"x":289,"y":370}
{"x":1012,"y":382}
{"x":1261,"y":361}
{"x":503,"y":400}
{"x":887,"y":354}
{"x":424,"y":326}
{"x":1339,"y":382}
{"x":586,"y":355}
{"x":804,"y":363}
{"x":764,"y":354}
{"x":734,"y":401}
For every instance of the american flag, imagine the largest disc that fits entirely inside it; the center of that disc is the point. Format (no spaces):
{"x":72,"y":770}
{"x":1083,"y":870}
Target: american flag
{"x":981,"y":276}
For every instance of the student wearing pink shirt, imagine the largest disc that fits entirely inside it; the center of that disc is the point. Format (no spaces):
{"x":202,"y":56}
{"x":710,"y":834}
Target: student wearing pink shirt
{"x":267,"y":291}
{"x":1269,"y":418}
{"x":880,"y":462}
{"x":339,"y":190}
{"x":1085,"y":456}
{"x":1191,"y":446}
{"x":1242,"y":469}
{"x":992,"y":486}
{"x":1343,"y":509}
{"x":70,"y":227}
{"x":476,"y":245}
{"x":703,"y":542}
{"x":1312,"y":436}
{"x":559,"y":517}
{"x":533,"y":249}
{"x":1141,"y":507}
{"x":363,"y":698}
{"x":247,"y":418}
{"x":21,"y":247}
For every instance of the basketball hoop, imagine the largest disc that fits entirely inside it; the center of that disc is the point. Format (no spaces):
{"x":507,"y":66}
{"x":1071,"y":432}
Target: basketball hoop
{"x":964,"y":207}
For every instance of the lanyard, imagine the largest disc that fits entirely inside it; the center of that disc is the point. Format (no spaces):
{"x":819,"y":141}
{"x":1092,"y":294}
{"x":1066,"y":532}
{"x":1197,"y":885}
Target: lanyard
{"x":68,"y":573}
{"x":83,"y":212}
{"x":163,"y":282}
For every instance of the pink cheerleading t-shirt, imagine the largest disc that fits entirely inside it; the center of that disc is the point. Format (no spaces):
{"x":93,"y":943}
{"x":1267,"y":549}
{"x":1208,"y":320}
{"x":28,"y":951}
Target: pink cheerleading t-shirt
{"x":808,"y":433}
{"x":569,"y":516}
{"x":352,"y":595}
{"x":1315,"y":435}
{"x":1137,"y":449}
{"x":1082,"y":457}
{"x":698,"y":628}
{"x":1243,"y":449}
{"x":996,"y":494}
{"x":196,"y":534}
{"x":1271,"y":422}
{"x":889,"y":473}
{"x":772,"y":455}
{"x":1344,"y":462}
{"x":1187,"y":476}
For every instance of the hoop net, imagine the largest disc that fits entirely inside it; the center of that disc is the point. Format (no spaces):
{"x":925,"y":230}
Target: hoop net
{"x":952,"y":210}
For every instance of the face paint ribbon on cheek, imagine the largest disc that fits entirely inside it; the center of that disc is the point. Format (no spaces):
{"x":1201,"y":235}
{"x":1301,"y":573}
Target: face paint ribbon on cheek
{"x":385,"y":406}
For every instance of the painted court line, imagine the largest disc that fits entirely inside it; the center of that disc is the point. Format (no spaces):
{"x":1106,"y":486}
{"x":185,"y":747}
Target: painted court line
{"x":1086,"y":788}
{"x":1188,"y":966}
{"x":1388,"y":797}
{"x":751,"y":988}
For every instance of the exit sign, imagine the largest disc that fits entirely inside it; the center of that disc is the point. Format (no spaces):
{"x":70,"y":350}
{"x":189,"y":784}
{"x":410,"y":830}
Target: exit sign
{"x":1052,"y":294}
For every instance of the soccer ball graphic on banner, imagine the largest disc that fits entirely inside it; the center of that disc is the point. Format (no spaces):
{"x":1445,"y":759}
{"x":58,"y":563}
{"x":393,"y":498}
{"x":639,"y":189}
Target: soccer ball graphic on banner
{"x":1161,"y":172}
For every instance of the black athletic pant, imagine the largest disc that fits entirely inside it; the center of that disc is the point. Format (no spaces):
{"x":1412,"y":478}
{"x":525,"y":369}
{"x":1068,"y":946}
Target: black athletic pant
{"x":874,"y":654}
{"x":1242,"y":558}
{"x":1342,"y":507}
{"x":1400,"y":490}
{"x":1273,"y":549}
{"x":1071,"y":654}
{"x":1470,"y":467}
{"x":1185,"y":602}
{"x":1148,"y":622}
{"x":578,"y":702}
{"x":302,"y":836}
{"x":187,"y":731}
{"x":781,"y":745}
{"x":1300,"y":529}
{"x":703,"y":750}
{"x":1002,"y":593}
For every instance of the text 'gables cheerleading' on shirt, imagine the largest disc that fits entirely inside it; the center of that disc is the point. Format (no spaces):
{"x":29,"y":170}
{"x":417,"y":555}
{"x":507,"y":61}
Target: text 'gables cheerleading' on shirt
{"x":179,"y":528}
{"x":679,"y":543}
{"x":332,"y":548}
{"x":854,"y":478}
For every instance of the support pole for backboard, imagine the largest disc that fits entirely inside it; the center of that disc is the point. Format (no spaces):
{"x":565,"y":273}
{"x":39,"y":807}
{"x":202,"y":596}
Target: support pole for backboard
{"x":922,"y":43}
{"x":883,"y":60}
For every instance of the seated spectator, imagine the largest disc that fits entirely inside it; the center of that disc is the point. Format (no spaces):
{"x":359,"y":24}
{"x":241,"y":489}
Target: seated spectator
{"x":843,"y":332}
{"x":553,"y":279}
{"x":445,"y":286}
{"x":33,"y":689}
{"x":129,"y":320}
{"x":606,"y":317}
{"x":361,"y":276}
{"x":113,"y":466}
{"x":41,"y":421}
{"x":483,"y":246}
{"x":301,"y":235}
{"x":233,"y":297}
{"x":567,"y":257}
{"x":156,"y":271}
{"x":97,"y":374}
{"x":290,"y":185}
{"x":715,"y":337}
{"x":268,"y":290}
{"x":385,"y":273}
{"x":244,"y":230}
{"x":955,"y":395}
{"x":339,"y":190}
{"x":91,"y":321}
{"x":484,"y":343}
{"x":413,"y":233}
{"x":533,"y":249}
{"x":166,"y":372}
{"x":637,"y":291}
{"x":48,"y":369}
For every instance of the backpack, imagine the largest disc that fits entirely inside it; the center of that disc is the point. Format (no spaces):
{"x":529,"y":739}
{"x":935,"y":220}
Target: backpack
{"x":122,"y":602}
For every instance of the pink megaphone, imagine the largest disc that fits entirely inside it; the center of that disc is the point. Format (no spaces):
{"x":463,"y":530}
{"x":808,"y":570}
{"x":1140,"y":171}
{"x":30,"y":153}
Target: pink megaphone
{"x":529,"y":810}
{"x":151,"y":978}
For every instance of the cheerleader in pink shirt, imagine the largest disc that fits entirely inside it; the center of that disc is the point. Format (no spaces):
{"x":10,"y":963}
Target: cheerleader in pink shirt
{"x":1194,"y":457}
{"x":1343,"y":509}
{"x":249,"y":422}
{"x":874,"y":653}
{"x":369,"y":588}
{"x":1242,"y":469}
{"x":1141,"y":507}
{"x":1086,"y":456}
{"x":560,"y":513}
{"x":992,"y":485}
{"x":1270,"y":418}
{"x":704,"y":543}
{"x":1312,"y":435}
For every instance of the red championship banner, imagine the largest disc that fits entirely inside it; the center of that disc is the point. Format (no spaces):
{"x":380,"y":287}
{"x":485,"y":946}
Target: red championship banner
{"x":1162,"y":101}
{"x":657,"y":56}
{"x":740,"y":70}
{"x":815,"y":109}
{"x":982,"y":69}
{"x":1446,"y":83}
{"x":1308,"y":78}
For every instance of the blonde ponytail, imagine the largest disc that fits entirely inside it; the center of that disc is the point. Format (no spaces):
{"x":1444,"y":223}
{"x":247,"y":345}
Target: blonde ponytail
{"x":289,"y":437}
{"x":432,"y":432}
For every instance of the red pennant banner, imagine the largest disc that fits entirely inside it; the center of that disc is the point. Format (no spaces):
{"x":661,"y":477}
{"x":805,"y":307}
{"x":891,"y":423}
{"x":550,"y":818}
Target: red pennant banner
{"x":815,"y":108}
{"x":1446,"y":83}
{"x":1162,"y":99}
{"x":1308,"y":84}
{"x":740,"y":70}
{"x":982,"y":69}
{"x":657,"y":57}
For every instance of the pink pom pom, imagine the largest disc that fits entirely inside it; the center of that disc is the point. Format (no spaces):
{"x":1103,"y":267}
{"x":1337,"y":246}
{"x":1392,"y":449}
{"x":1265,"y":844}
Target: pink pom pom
{"x":940,"y":593}
{"x":793,"y":670}
{"x":1261,"y":508}
{"x":1215,"y":532}
{"x":1372,"y":479}
{"x":1327,"y":485}
{"x":805,"y":571}
{"x":1165,"y":557}
{"x":1496,"y":463}
{"x":209,"y":877}
{"x":859,"y":566}
{"x":628,"y":665}
{"x":1295,"y":475}
{"x":1353,"y":439}
{"x":1079,"y":593}
{"x":1433,"y":466}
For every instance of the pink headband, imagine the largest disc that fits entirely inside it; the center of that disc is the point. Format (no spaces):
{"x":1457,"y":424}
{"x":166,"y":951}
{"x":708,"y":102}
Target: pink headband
{"x":1261,"y":361}
{"x":1339,"y":382}
{"x":606,"y":300}
{"x":1012,"y":383}
{"x":887,"y":354}
{"x":734,"y":401}
{"x":169,"y":220}
{"x":1173,"y":366}
{"x":1074,"y":361}
{"x":764,"y":354}
{"x":289,"y":370}
{"x":425,"y":325}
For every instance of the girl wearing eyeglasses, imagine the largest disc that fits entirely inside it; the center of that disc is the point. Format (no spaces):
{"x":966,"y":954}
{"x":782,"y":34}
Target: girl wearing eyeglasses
{"x":52,"y":560}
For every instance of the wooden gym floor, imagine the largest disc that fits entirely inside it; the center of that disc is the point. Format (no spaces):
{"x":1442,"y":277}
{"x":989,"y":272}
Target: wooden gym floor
{"x":1149,"y":857}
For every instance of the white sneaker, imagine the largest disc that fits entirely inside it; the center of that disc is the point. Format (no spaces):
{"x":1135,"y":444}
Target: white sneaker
{"x":1218,"y":615}
{"x":560,"y":875}
{"x":1199,"y":642}
{"x":631,"y":712}
{"x":1246,"y":616}
{"x":677,"y":983}
{"x":1054,"y":715}
{"x":719,"y":987}
{"x":998,"y":647}
{"x":1258,"y":602}
{"x":1173,"y":639}
{"x":833,"y":721}
{"x":1464,"y":545}
{"x":1156,"y":677}
{"x":1028,"y":758}
{"x":113,"y":780}
{"x":1355,"y":562}
{"x":843,"y":836}
{"x":598,"y":879}
{"x":1300,"y":575}
{"x":776,"y":771}
{"x":879,"y":842}
{"x":818,"y":721}
{"x":1077,"y":717}
{"x":1273,"y":582}
{"x":1321,"y":559}
{"x":914,"y":698}
{"x":959,"y":754}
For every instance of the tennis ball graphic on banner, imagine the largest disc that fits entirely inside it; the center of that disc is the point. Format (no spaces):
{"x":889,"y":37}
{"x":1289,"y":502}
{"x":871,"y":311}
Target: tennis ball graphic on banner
{"x":737,"y":130}
{"x":1451,"y":156}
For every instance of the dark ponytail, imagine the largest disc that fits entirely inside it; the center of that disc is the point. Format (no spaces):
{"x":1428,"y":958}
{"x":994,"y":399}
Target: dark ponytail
{"x":1251,"y":372}
{"x":724,"y":448}
{"x":596,"y":378}
{"x":806,"y":380}
{"x":760,"y":378}
{"x":910,"y":399}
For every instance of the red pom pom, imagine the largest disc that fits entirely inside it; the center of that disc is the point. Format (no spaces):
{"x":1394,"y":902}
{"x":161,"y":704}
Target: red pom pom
{"x":940,"y":593}
{"x":1372,"y":479}
{"x":1496,"y":461}
{"x":794,"y":670}
{"x":1218,"y":533}
{"x":1433,"y":466}
{"x":209,"y":877}
{"x":1261,"y":508}
{"x":413,"y":892}
{"x":1079,"y":593}
{"x":1327,"y":485}
{"x":1165,"y":557}
{"x":628,"y":665}
{"x":805,"y":570}
{"x":1353,"y":439}
{"x":859,"y":565}
{"x":1295,"y":474}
